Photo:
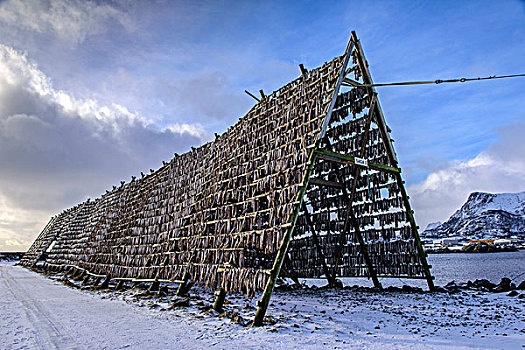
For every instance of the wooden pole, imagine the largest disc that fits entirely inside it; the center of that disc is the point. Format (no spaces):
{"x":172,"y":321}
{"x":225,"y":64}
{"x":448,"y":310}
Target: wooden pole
{"x":155,"y":285}
{"x":86,"y":280}
{"x":349,"y":197}
{"x":290,"y":274}
{"x":120,"y":284}
{"x":309,"y":222}
{"x":281,"y":253}
{"x":97,"y":281}
{"x":105,"y":283}
{"x":304,"y":71}
{"x":182,"y":290}
{"x":380,"y":119}
{"x":251,"y":95}
{"x":219,"y":301}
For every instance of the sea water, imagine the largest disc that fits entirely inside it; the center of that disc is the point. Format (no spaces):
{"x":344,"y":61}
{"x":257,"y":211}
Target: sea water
{"x":459,"y":267}
{"x":462,"y":267}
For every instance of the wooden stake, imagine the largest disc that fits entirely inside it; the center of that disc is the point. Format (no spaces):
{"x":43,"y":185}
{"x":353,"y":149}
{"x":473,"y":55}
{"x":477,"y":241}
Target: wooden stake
{"x":120,"y":284}
{"x":219,"y":301}
{"x":290,"y":274}
{"x":105,"y":284}
{"x":304,"y":71}
{"x":97,"y":281}
{"x":79,"y":275}
{"x":182,"y":290}
{"x":86,"y":280}
{"x":251,"y":95}
{"x":155,"y":285}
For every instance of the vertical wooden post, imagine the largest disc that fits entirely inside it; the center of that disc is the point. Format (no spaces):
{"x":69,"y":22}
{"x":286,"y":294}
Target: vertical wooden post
{"x":86,"y":279}
{"x":105,"y":284}
{"x":120,"y":284}
{"x":219,"y":301}
{"x":182,"y":290}
{"x":380,"y":119}
{"x":281,"y":253}
{"x":155,"y":285}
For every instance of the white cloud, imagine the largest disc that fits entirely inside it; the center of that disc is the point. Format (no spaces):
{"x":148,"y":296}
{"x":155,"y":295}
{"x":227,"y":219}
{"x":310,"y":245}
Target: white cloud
{"x":500,"y":168}
{"x":69,"y":20}
{"x":57,"y":150}
{"x":18,"y":226}
{"x":191,"y":129}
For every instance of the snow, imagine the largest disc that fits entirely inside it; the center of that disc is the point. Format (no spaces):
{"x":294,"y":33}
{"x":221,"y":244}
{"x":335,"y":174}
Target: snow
{"x":40,"y":313}
{"x":433,"y":225}
{"x":485,"y":215}
{"x":513,"y":203}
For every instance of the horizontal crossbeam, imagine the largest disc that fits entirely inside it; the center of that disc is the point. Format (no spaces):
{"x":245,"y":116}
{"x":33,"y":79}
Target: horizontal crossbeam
{"x":346,"y":159}
{"x":326,"y":183}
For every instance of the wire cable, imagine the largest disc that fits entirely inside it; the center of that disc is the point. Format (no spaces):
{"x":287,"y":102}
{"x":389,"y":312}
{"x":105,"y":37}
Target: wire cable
{"x":349,"y":82}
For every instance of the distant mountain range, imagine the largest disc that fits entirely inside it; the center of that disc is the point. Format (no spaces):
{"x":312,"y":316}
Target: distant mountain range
{"x":484,"y":215}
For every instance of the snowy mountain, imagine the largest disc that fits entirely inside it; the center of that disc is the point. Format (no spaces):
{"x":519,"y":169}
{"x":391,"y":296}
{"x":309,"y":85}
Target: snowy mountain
{"x":485,"y":215}
{"x":433,"y":225}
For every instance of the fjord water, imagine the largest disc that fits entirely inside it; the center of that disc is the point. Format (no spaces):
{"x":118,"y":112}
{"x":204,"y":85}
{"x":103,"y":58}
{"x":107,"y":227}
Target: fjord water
{"x":462,"y":267}
{"x":459,"y":267}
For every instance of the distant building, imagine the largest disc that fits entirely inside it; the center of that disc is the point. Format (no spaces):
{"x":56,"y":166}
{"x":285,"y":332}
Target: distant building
{"x":448,"y":241}
{"x":502,"y":242}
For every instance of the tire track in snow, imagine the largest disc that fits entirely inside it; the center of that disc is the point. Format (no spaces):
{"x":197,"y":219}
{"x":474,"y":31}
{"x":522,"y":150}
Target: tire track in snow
{"x":47,"y":333}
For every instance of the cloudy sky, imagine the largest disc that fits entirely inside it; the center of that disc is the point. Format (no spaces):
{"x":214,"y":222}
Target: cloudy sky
{"x":92,"y":92}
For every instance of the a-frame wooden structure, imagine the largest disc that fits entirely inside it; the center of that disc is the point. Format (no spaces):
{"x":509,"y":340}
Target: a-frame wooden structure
{"x":324,"y":151}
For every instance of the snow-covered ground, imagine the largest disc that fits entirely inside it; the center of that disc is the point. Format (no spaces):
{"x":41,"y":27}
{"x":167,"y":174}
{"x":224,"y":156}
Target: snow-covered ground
{"x":37,"y":312}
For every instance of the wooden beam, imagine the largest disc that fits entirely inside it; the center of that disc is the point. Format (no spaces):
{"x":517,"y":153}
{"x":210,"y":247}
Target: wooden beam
{"x":155,"y":285}
{"x":304,"y":71}
{"x":263,"y":96}
{"x":383,"y":128}
{"x":283,"y":249}
{"x":348,"y":51}
{"x":290,"y":274}
{"x":380,"y":118}
{"x":326,"y":183}
{"x":181,"y":291}
{"x":350,"y":82}
{"x":251,"y":95}
{"x":219,"y":301}
{"x":315,"y":237}
{"x":105,"y":283}
{"x":331,"y":156}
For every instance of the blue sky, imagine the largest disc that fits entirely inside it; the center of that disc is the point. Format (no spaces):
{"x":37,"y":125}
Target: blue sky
{"x":99,"y":91}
